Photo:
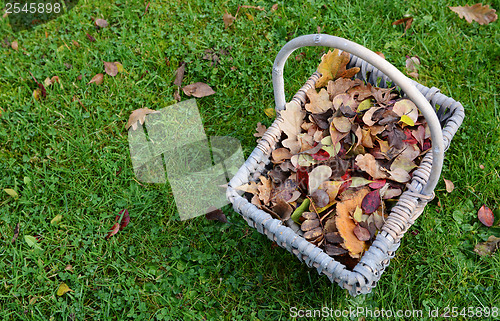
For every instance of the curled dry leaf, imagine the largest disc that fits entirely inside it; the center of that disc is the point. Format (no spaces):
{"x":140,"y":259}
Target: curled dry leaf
{"x":97,"y":79}
{"x":449,"y":185}
{"x":138,"y":115}
{"x":485,"y":215}
{"x":407,"y":21}
{"x":110,"y":68}
{"x":198,"y":90}
{"x":179,"y":74}
{"x":283,"y":209}
{"x":101,"y":23}
{"x":477,"y":12}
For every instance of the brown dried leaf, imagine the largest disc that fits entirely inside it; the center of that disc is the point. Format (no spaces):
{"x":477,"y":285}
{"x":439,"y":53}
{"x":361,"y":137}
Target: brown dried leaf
{"x":228,"y":19}
{"x":320,"y":198}
{"x":283,"y":209}
{"x":216,"y":214}
{"x":477,"y":12}
{"x":449,"y":185}
{"x":250,"y":187}
{"x":309,"y":224}
{"x":97,"y":79}
{"x":92,"y":39}
{"x":179,"y":74}
{"x":261,"y":130}
{"x":485,"y":215}
{"x":110,"y":68}
{"x":265,"y":189}
{"x":101,"y":23}
{"x":329,"y":66}
{"x":367,"y":117}
{"x":333,"y":237}
{"x":16,"y":233}
{"x":489,"y":247}
{"x":342,"y":124}
{"x":334,"y":250}
{"x":198,"y":90}
{"x":407,"y":21}
{"x":14,"y":45}
{"x":341,"y":86}
{"x":313,"y":234}
{"x":138,"y":115}
{"x":280,"y":154}
{"x":369,"y":164}
{"x":412,"y":64}
{"x":319,"y":102}
{"x":361,"y":233}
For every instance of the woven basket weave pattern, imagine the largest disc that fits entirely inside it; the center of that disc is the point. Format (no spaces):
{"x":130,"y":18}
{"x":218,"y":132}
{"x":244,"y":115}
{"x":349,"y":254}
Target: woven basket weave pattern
{"x":410,"y":205}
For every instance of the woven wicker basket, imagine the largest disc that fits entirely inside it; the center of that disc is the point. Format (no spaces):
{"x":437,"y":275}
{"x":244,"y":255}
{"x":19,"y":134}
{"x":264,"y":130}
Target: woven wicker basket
{"x":443,"y":115}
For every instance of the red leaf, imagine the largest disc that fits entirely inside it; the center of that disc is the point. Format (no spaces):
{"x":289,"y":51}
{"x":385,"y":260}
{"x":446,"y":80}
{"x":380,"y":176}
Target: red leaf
{"x":371,"y":202}
{"x":90,"y":37}
{"x":302,"y":178}
{"x":409,"y":137}
{"x":125,"y":220}
{"x":485,"y":215}
{"x":321,"y":155}
{"x":427,"y":144}
{"x":377,"y":184}
{"x":114,"y":229}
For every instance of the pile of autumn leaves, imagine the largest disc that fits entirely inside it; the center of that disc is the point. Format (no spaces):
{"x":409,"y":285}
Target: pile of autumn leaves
{"x":343,"y":160}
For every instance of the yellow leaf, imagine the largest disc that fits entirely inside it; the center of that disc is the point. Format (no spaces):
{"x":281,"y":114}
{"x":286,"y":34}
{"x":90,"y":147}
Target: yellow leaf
{"x":12,"y":193}
{"x":119,"y":66}
{"x":63,"y":289}
{"x":37,"y":93}
{"x":364,"y":105}
{"x":330,"y":63}
{"x":407,"y":120}
{"x":56,"y":219}
{"x":270,"y":112}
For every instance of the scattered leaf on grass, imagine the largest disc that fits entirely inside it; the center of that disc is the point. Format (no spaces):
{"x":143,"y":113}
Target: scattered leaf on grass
{"x":485,"y":215}
{"x":63,"y":289}
{"x":274,"y":7}
{"x":101,"y":23}
{"x":489,"y":247}
{"x":125,"y":219}
{"x":119,"y":66}
{"x":56,"y":219}
{"x":412,"y":64}
{"x":16,"y":233}
{"x":14,"y":45}
{"x":216,"y":214}
{"x":179,"y":74}
{"x":32,"y":242}
{"x":92,"y":39}
{"x":407,"y":21}
{"x":97,"y":79}
{"x":449,"y":185}
{"x":110,"y":68}
{"x":75,"y":43}
{"x":114,"y":229}
{"x":12,"y":193}
{"x":198,"y":90}
{"x":228,"y":19}
{"x":138,"y":115}
{"x":270,"y":112}
{"x":477,"y":12}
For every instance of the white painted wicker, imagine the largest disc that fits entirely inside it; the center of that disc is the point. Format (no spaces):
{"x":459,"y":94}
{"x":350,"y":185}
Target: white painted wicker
{"x":444,"y":116}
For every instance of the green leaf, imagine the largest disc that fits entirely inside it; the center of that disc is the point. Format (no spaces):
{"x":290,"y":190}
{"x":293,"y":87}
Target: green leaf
{"x":299,"y":210}
{"x":26,"y":180}
{"x":11,"y":192}
{"x":359,"y":181}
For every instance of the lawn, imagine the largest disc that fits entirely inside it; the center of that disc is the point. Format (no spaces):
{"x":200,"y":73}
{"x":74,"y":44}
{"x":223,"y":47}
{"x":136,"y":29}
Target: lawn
{"x":67,"y":154}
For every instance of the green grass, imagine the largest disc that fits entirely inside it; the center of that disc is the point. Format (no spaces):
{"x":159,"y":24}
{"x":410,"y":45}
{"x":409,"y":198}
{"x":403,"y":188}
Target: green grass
{"x":76,"y":158}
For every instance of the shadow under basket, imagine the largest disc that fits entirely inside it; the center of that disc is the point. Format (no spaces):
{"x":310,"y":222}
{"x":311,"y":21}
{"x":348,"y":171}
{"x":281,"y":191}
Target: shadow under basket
{"x":447,"y":115}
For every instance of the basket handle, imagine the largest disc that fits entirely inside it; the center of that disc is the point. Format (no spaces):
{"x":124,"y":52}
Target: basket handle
{"x":383,"y":65}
